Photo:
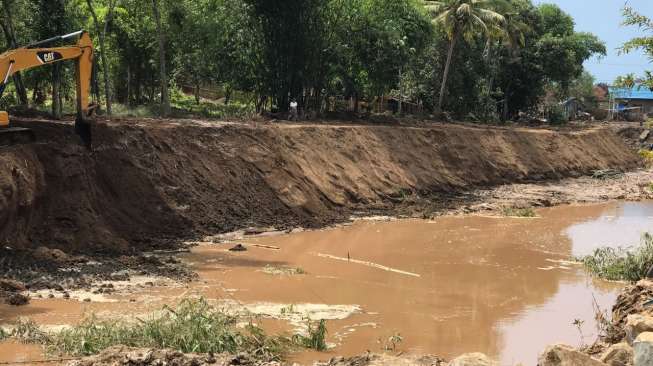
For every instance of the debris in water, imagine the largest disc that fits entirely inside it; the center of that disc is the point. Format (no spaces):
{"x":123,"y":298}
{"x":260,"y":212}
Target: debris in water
{"x":369,"y":264}
{"x":238,"y":248}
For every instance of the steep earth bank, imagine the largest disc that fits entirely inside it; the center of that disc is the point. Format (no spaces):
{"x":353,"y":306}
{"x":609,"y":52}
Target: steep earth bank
{"x":149,"y":181}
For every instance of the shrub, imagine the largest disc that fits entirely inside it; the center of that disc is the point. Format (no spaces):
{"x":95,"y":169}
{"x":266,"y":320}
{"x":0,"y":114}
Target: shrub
{"x":194,"y":326}
{"x":620,"y":264}
{"x":556,"y":115}
{"x":316,"y":338}
{"x":647,"y":155}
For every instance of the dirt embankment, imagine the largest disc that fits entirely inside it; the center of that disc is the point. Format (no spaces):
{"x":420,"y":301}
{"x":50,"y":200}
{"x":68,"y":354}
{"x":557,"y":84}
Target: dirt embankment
{"x":151,"y":180}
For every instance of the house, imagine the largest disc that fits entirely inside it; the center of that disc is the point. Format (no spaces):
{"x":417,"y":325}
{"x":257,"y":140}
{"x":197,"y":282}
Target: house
{"x":635,"y":98}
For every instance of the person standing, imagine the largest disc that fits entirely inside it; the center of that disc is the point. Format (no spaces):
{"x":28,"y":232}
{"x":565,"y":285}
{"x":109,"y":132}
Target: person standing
{"x":294,"y":115}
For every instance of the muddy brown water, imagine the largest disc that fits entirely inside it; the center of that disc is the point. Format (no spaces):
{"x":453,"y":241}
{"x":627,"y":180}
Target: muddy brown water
{"x":501,"y":286}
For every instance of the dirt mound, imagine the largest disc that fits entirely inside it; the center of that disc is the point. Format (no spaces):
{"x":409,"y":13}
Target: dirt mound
{"x":635,"y":136}
{"x":148,"y":183}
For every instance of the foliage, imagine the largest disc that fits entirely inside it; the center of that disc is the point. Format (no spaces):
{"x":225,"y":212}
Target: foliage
{"x":505,"y":55}
{"x":556,"y":115}
{"x":647,"y":155}
{"x":316,"y":338}
{"x":464,"y":19}
{"x":193,"y":326}
{"x":391,"y":343}
{"x":643,"y":43}
{"x":621,"y":264}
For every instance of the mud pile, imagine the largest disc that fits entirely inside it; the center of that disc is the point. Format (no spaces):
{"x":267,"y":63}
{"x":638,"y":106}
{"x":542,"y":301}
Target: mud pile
{"x":148,"y":183}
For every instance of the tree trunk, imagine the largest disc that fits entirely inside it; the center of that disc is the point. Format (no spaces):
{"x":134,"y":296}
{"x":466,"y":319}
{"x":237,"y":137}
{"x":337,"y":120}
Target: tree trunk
{"x":445,"y":76}
{"x":102,"y":35}
{"x":10,"y":36}
{"x":56,"y":91}
{"x":129,"y":84}
{"x":165,"y":99}
{"x":401,"y":92}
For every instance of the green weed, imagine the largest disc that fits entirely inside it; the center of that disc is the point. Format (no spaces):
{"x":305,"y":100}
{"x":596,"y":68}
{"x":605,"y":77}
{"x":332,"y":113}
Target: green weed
{"x":621,"y":264}
{"x":194,"y":326}
{"x":519,"y":212}
{"x":647,"y":155}
{"x":391,"y":343}
{"x":316,"y":338}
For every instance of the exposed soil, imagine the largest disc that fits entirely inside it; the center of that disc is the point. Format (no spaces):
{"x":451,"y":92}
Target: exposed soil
{"x":69,"y":216}
{"x":149,"y":183}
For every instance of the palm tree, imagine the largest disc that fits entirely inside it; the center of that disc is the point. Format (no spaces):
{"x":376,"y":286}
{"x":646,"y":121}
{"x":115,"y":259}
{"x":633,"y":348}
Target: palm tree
{"x":463,"y":18}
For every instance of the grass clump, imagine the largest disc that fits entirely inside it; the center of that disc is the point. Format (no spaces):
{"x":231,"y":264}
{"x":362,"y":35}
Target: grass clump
{"x":619,"y":264}
{"x":194,"y":326}
{"x":647,"y":155}
{"x":316,"y":338}
{"x":518,"y":212}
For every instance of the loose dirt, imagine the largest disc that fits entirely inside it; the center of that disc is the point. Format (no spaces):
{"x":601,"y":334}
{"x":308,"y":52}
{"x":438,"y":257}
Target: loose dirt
{"x":148,"y":183}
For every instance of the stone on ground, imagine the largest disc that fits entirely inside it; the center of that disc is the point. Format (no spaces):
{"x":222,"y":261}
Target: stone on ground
{"x":643,"y":347}
{"x":563,"y":355}
{"x":473,"y":359}
{"x":620,"y":354}
{"x":637,"y":324}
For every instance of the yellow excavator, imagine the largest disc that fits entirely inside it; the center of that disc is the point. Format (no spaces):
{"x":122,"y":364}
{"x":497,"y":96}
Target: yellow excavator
{"x":38,"y":54}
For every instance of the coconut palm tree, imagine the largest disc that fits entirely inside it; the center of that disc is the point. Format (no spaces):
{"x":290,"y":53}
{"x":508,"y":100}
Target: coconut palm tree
{"x":463,"y":18}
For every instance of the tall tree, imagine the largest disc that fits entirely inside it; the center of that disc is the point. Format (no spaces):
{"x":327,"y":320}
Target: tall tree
{"x":7,"y":25}
{"x":53,"y":22}
{"x":462,"y":18}
{"x":101,"y":31}
{"x":643,"y":43}
{"x":165,"y":96}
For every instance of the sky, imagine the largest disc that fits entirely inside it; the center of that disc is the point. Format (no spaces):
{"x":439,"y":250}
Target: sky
{"x":603,"y":18}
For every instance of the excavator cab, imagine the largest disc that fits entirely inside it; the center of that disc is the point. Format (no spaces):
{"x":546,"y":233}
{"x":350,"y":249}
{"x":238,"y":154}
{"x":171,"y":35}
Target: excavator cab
{"x":37,"y":54}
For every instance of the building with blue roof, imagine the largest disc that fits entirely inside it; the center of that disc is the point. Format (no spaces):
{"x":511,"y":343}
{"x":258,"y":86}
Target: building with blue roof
{"x":631,"y":98}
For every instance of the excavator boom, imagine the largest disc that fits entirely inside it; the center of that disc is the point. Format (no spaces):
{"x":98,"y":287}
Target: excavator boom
{"x":35,"y":55}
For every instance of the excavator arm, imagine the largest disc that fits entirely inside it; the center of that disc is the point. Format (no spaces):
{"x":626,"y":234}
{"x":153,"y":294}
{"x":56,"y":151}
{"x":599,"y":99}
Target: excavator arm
{"x":35,"y":55}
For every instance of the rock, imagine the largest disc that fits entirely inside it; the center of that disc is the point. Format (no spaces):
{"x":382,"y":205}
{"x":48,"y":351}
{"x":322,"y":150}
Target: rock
{"x":238,"y":248}
{"x":563,"y":355}
{"x":620,"y":354}
{"x":637,"y":324}
{"x":643,"y":347}
{"x":644,"y":135}
{"x":47,"y":254}
{"x":473,"y":359}
{"x":17,"y":299}
{"x":12,"y":286}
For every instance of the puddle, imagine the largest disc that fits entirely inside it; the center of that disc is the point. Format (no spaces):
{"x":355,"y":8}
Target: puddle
{"x":504,"y":287}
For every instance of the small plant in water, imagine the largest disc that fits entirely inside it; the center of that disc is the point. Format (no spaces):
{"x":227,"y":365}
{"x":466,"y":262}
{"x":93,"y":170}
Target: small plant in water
{"x":621,"y":264}
{"x":316,"y":338}
{"x":518,"y":212}
{"x":392,"y":342}
{"x":579,"y":325}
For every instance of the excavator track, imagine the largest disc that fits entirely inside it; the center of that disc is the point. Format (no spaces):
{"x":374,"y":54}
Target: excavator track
{"x":16,"y":136}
